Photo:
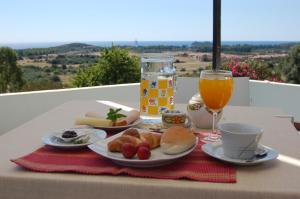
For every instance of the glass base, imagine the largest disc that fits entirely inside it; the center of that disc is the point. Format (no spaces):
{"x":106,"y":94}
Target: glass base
{"x":212,"y":138}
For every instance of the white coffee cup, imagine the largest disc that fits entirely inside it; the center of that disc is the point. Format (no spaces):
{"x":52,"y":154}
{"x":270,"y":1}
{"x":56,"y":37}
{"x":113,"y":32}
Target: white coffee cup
{"x":239,"y":140}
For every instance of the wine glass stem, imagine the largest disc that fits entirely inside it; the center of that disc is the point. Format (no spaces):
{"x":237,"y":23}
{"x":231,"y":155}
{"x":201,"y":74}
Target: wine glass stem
{"x":214,"y":129}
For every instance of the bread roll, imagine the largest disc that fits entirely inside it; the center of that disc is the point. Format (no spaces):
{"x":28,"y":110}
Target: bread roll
{"x":176,"y":140}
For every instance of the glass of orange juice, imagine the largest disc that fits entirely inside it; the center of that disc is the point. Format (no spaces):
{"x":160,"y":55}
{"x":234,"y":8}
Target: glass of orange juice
{"x":215,"y":87}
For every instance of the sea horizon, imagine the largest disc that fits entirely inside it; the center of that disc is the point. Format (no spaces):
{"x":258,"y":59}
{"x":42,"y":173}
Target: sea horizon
{"x":25,"y":45}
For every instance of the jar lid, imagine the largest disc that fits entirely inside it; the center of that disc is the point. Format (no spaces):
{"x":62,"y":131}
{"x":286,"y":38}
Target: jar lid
{"x":196,"y":97}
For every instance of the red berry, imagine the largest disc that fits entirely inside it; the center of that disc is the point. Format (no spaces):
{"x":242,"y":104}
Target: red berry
{"x":143,"y":153}
{"x":143,"y":144}
{"x":128,"y":150}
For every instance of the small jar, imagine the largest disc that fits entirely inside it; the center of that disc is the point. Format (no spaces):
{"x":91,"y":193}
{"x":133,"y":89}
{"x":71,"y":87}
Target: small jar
{"x":201,"y":117}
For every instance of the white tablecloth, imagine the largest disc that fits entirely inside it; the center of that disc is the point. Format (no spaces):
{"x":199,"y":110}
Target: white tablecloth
{"x":277,"y":179}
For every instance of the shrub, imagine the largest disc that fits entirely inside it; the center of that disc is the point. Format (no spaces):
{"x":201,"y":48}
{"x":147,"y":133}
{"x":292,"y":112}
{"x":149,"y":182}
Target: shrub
{"x":115,"y":66}
{"x":292,"y":65}
{"x":11,"y":75}
{"x":205,"y":58}
{"x":252,"y":69}
{"x":55,"y":78}
{"x":240,"y":69}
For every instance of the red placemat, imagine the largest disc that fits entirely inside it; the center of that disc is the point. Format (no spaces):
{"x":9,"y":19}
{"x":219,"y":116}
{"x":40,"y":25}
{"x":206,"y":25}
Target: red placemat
{"x":196,"y":166}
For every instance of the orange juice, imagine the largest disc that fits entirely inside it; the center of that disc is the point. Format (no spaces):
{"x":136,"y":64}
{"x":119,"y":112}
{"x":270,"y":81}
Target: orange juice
{"x":216,"y":92}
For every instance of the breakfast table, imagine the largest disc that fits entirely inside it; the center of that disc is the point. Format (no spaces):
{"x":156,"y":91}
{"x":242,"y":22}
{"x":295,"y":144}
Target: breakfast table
{"x":279,"y":178}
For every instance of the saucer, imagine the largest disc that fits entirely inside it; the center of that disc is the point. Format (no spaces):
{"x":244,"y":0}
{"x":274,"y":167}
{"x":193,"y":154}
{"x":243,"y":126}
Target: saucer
{"x":94,"y":134}
{"x":216,"y":150}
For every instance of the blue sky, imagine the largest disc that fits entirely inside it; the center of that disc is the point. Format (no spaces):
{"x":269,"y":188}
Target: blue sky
{"x":126,"y":20}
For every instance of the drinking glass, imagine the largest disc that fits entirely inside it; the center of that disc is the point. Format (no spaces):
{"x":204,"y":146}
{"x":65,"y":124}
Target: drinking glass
{"x":215,"y":87}
{"x":157,"y":84}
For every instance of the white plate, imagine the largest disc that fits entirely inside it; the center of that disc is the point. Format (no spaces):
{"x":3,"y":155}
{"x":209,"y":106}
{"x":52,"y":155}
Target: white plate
{"x":95,"y":135}
{"x":216,"y":150}
{"x":157,"y":158}
{"x":119,"y":128}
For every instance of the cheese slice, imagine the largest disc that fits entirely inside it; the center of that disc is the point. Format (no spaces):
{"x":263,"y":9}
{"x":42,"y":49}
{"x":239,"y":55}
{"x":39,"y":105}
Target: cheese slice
{"x":95,"y":122}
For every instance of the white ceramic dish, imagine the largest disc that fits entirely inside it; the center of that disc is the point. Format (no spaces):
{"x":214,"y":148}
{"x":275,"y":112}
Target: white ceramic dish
{"x":152,"y":124}
{"x":239,"y":140}
{"x":94,"y":134}
{"x":120,"y":128}
{"x":216,"y":150}
{"x":60,"y":136}
{"x":158,"y":158}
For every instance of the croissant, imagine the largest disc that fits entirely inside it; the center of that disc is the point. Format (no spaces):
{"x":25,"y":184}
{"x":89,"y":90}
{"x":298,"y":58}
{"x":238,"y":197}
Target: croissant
{"x":153,"y":139}
{"x":116,"y":144}
{"x":132,"y":132}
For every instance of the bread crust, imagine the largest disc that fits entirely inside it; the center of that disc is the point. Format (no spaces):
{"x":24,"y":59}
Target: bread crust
{"x":177,"y":139}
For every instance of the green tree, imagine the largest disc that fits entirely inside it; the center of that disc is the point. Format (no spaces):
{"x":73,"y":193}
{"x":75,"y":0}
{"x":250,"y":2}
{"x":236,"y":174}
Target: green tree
{"x":292,"y":65}
{"x":115,"y":66}
{"x":11,"y":76}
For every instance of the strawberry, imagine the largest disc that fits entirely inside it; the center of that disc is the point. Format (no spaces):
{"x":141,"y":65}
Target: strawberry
{"x":129,"y":150}
{"x":143,"y":153}
{"x":143,"y":144}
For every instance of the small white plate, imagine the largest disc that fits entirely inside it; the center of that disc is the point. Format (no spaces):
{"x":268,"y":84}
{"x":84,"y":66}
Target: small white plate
{"x":157,"y":158}
{"x":216,"y":150}
{"x":120,"y":128}
{"x":152,"y":125}
{"x":94,"y":134}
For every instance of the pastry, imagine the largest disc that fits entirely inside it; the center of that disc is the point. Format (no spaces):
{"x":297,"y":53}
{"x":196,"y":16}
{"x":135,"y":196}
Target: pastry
{"x":116,"y":144}
{"x":132,"y":132}
{"x":153,"y":139}
{"x":176,"y":140}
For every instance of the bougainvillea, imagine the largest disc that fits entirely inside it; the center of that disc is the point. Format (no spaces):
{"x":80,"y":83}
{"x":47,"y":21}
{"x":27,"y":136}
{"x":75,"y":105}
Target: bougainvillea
{"x":240,"y":69}
{"x":251,"y":70}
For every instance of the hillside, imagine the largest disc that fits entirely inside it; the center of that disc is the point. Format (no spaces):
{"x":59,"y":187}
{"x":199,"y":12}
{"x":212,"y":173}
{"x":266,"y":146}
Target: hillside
{"x":72,"y":47}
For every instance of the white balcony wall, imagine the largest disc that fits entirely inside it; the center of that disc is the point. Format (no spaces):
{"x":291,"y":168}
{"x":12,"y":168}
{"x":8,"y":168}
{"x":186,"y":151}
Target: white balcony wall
{"x":17,"y":108}
{"x":279,"y":95}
